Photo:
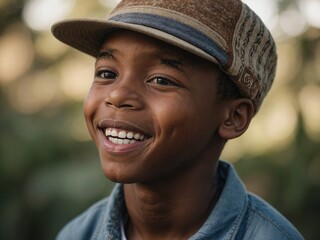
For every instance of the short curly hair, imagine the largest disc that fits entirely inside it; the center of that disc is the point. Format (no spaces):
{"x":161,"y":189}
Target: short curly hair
{"x":226,"y":88}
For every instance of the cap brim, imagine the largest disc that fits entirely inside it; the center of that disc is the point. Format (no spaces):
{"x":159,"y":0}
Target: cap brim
{"x":87,"y":35}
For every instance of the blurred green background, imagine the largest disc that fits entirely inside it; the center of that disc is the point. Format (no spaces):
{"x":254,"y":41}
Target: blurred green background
{"x":49,"y":168}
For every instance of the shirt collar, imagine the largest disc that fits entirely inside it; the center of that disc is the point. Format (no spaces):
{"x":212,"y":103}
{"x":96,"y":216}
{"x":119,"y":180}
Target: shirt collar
{"x":226,"y":217}
{"x":114,"y":213}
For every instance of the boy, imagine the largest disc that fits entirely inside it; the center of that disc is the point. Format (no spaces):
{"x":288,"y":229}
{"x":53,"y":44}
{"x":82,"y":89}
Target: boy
{"x":174,"y":80}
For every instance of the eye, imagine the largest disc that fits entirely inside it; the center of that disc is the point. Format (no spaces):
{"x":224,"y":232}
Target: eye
{"x":163,"y":81}
{"x":106,"y":74}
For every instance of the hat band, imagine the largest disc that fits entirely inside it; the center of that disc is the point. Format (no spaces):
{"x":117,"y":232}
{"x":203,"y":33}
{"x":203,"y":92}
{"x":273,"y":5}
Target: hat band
{"x":176,"y":29}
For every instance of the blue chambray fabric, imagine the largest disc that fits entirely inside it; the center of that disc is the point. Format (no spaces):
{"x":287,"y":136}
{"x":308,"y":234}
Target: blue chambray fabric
{"x":237,"y":215}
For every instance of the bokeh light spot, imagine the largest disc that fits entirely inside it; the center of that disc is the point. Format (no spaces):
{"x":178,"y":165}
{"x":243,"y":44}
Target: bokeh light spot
{"x":33,"y":93}
{"x":16,"y":53}
{"x":49,"y":48}
{"x":292,"y":22}
{"x":309,"y":99}
{"x":109,"y":3}
{"x":39,"y":15}
{"x":76,"y":77}
{"x":311,"y":8}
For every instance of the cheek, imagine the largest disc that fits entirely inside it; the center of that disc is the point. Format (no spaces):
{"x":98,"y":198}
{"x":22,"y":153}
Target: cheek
{"x":169,"y":114}
{"x":90,"y":107}
{"x":92,"y":102}
{"x":175,"y":114}
{"x":182,"y":125}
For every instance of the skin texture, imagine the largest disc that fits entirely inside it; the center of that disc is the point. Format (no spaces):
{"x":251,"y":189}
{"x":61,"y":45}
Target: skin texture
{"x":170,"y":97}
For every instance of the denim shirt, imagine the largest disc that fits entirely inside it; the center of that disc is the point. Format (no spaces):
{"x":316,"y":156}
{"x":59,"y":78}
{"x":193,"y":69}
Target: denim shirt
{"x":237,"y":215}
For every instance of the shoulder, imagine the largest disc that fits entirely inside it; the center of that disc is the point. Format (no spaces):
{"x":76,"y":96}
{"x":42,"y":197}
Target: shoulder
{"x":84,"y":226}
{"x":264,"y":222}
{"x":246,"y":216}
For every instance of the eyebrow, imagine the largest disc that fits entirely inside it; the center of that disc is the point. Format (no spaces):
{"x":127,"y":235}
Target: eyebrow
{"x":173,"y":63}
{"x":166,"y":61}
{"x":108,"y":53}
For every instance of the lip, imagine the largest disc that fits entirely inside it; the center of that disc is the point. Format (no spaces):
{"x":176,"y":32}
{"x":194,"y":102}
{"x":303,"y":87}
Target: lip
{"x":123,"y":125}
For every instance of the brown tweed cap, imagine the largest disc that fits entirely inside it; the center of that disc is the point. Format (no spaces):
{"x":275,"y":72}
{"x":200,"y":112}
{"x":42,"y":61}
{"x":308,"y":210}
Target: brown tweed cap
{"x":225,"y":32}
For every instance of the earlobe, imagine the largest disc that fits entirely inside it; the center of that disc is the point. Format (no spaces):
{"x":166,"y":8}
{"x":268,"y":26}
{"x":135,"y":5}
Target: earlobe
{"x":237,"y":120}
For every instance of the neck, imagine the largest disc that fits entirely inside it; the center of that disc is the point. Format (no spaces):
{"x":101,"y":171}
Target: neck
{"x":172,"y":209}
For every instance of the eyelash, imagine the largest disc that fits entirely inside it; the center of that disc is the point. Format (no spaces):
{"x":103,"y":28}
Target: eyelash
{"x":158,"y":80}
{"x":103,"y":72}
{"x":167,"y":81}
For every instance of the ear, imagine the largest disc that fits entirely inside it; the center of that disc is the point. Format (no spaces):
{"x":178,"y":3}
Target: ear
{"x":238,"y":116}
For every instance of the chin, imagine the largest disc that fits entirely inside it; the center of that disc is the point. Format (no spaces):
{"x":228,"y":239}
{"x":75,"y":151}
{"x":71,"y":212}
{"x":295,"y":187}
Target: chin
{"x":118,"y":174}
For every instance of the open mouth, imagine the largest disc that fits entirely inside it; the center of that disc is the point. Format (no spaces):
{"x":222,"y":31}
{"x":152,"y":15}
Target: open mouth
{"x":121,"y":136}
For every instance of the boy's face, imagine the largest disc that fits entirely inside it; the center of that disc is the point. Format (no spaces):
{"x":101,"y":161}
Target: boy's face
{"x":164,"y":97}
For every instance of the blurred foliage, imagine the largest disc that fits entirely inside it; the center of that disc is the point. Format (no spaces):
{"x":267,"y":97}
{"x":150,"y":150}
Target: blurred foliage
{"x":50,"y":170}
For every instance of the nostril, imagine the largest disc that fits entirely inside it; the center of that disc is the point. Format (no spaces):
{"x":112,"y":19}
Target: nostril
{"x":109,"y":104}
{"x":123,"y":97}
{"x":124,"y":105}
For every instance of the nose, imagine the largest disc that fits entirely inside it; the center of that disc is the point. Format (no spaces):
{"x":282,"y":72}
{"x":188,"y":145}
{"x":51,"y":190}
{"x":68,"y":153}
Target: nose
{"x":124,"y":95}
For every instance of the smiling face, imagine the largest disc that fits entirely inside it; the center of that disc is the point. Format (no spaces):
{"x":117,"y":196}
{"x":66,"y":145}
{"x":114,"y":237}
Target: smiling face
{"x":152,"y":109}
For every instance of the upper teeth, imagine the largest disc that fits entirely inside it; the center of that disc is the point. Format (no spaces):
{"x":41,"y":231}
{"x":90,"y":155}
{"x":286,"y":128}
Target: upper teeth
{"x":116,"y":133}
